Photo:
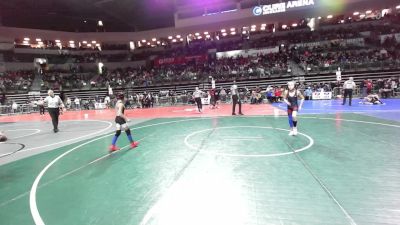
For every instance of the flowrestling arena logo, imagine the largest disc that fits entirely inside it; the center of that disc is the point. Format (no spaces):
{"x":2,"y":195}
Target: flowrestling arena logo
{"x":280,"y":7}
{"x":257,"y":11}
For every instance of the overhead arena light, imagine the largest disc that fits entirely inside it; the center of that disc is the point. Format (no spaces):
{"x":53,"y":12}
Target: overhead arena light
{"x":148,"y":43}
{"x":244,"y":32}
{"x":284,"y":26}
{"x":93,"y":42}
{"x":199,"y":37}
{"x":178,"y":36}
{"x":362,"y":16}
{"x":71,"y":42}
{"x":170,"y":37}
{"x":262,"y":28}
{"x":206,"y":32}
{"x":154,"y":39}
{"x":294,"y":25}
{"x":253,"y":29}
{"x":173,"y":40}
{"x":253,"y":26}
{"x":398,"y":7}
{"x":197,"y":34}
{"x":84,"y":42}
{"x":233,"y":33}
{"x":232,"y":29}
{"x":181,"y":39}
{"x":329,"y":17}
{"x":144,"y":40}
{"x":319,"y":17}
{"x":26,"y":39}
{"x":38,"y":39}
{"x":100,"y":23}
{"x":224,"y":34}
{"x":368,"y":11}
{"x":223,"y":30}
{"x":356,"y":13}
{"x":158,"y":42}
{"x":263,"y":25}
{"x":208,"y":36}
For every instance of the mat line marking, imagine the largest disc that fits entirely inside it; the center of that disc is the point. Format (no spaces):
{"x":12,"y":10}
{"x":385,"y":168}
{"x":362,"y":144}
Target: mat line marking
{"x":37,"y":131}
{"x":324,"y":187}
{"x":71,"y":172}
{"x":190,"y":146}
{"x":32,"y":203}
{"x":73,"y":139}
{"x":32,"y":195}
{"x":146,"y":217}
{"x":22,"y":146}
{"x":149,"y":214}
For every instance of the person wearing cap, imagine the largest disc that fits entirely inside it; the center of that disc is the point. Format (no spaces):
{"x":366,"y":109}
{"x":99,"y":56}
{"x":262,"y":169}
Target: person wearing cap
{"x":121,"y":122}
{"x":290,"y":97}
{"x":54,"y":103}
{"x":348,"y":88}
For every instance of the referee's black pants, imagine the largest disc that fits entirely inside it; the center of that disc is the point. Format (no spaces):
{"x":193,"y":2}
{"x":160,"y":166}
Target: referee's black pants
{"x":199,"y":104}
{"x":236,"y":100}
{"x":347,"y":93}
{"x":54,"y":114}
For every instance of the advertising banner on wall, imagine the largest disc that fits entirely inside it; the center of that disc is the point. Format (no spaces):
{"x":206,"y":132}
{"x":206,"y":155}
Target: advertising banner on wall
{"x":342,"y":42}
{"x":322,"y":95}
{"x":180,"y":60}
{"x":281,"y":7}
{"x":243,"y":53}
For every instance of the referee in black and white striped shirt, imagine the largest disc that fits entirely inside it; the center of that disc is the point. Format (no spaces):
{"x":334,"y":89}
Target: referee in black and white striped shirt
{"x":54,"y":103}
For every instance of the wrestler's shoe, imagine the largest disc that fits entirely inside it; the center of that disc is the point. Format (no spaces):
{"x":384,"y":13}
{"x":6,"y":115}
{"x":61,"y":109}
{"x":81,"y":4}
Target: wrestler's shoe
{"x":295,"y":131}
{"x":113,"y":148}
{"x":134,"y":144}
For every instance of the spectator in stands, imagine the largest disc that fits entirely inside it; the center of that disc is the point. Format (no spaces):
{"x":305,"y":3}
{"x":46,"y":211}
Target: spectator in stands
{"x":40,"y":104}
{"x":387,"y":89}
{"x":107,"y":101}
{"x":69,"y":103}
{"x":308,"y":93}
{"x":14,"y":107}
{"x":369,"y":86}
{"x":77,"y":102}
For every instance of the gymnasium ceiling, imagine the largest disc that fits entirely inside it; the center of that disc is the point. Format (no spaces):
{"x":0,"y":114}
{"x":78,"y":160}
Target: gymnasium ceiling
{"x":70,"y":15}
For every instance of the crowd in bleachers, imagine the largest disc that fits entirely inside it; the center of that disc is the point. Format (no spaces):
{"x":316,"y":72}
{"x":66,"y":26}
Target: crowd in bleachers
{"x":332,"y":52}
{"x":59,"y":80}
{"x":18,"y":80}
